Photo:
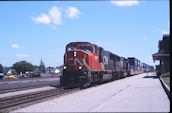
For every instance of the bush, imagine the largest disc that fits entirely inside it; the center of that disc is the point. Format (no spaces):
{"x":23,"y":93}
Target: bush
{"x":165,"y":74}
{"x":166,"y":78}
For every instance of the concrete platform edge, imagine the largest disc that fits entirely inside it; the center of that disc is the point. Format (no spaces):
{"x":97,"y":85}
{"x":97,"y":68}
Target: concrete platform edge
{"x":166,"y":88}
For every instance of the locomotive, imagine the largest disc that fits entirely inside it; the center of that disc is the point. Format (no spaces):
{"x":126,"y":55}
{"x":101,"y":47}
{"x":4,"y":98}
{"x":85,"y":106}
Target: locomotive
{"x":86,"y":64}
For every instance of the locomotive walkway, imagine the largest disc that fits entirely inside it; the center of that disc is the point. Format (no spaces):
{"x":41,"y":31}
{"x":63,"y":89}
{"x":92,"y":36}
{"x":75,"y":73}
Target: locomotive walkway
{"x":139,"y":93}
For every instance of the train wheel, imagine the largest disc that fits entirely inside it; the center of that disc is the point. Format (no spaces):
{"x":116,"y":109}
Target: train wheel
{"x":85,"y":84}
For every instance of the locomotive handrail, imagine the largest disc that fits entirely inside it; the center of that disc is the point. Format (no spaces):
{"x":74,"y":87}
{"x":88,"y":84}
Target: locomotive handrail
{"x":77,"y":61}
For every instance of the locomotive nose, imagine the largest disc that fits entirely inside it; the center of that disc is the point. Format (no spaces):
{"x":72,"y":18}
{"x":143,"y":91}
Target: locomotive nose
{"x":75,"y":60}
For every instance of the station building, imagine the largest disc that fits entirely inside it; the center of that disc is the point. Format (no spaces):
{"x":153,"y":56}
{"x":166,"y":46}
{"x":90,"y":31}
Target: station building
{"x":163,"y":55}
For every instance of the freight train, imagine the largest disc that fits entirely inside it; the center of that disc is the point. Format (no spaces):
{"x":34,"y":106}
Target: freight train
{"x":86,"y":64}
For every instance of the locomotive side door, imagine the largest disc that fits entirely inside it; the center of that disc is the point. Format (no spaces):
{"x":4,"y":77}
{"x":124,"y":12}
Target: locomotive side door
{"x":100,"y":55}
{"x":101,"y":59}
{"x":96,"y":58}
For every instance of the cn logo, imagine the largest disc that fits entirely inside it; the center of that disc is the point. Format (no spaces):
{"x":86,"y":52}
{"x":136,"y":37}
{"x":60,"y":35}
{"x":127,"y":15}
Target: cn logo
{"x":105,"y":60}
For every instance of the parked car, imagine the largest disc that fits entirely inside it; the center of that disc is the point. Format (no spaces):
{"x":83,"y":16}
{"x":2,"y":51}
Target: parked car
{"x":57,"y":74}
{"x":54,"y":75}
{"x":24,"y":75}
{"x":36,"y":74}
{"x":1,"y":75}
{"x":12,"y":76}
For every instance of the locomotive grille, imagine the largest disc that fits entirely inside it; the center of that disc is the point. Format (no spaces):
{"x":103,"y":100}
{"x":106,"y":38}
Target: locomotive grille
{"x":71,"y":61}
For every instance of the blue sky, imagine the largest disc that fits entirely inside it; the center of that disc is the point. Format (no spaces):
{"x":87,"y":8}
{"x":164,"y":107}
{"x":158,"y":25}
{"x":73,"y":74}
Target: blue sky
{"x":38,"y":30}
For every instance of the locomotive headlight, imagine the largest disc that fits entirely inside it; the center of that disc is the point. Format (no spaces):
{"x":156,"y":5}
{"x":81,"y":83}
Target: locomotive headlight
{"x":74,"y":54}
{"x":64,"y":67}
{"x":80,"y":67}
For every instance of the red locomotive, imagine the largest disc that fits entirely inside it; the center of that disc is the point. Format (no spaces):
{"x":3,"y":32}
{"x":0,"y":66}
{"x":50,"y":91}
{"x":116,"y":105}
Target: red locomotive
{"x":86,"y":63}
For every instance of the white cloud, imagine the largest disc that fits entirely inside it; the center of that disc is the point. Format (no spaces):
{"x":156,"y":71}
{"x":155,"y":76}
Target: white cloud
{"x":53,"y":16}
{"x":125,"y":2}
{"x":16,"y":46}
{"x":73,"y":12}
{"x":165,"y":32}
{"x":43,"y":19}
{"x":21,"y":56}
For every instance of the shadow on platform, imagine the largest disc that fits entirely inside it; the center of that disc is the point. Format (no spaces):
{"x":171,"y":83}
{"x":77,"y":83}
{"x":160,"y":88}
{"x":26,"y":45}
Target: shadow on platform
{"x":154,"y":77}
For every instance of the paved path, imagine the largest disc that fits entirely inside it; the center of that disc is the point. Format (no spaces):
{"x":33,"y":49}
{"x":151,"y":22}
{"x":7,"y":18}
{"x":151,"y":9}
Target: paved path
{"x":140,"y":93}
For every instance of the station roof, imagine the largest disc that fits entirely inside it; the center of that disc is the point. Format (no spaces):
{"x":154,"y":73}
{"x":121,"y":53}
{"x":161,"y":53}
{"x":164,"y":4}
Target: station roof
{"x":159,"y":56}
{"x":164,"y":49}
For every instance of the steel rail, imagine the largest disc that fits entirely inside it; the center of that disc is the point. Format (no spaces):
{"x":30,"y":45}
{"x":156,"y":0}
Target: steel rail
{"x":25,"y":98}
{"x":26,"y":87}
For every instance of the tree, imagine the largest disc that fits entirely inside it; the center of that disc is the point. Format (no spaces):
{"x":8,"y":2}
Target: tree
{"x":42,"y":67}
{"x":5,"y":70}
{"x":1,"y":68}
{"x":22,"y":66}
{"x":35,"y":67}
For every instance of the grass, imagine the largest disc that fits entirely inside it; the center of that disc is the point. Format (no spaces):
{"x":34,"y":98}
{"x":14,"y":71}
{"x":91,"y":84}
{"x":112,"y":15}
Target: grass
{"x":166,"y":78}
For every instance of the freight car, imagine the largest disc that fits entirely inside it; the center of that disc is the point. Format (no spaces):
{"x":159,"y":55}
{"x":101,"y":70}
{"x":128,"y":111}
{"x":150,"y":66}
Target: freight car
{"x":86,"y":64}
{"x":136,"y":66}
{"x":146,"y":67}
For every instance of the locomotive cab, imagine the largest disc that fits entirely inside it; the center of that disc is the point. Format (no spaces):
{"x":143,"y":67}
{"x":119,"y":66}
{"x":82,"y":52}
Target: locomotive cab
{"x":77,"y":56}
{"x":79,"y":59}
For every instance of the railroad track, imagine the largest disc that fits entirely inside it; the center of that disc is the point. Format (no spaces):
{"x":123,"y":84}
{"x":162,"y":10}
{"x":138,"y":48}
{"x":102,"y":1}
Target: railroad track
{"x":18,"y":100}
{"x":25,"y":88}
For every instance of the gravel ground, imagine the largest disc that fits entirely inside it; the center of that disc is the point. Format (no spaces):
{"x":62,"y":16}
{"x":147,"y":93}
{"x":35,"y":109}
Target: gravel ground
{"x":30,"y":82}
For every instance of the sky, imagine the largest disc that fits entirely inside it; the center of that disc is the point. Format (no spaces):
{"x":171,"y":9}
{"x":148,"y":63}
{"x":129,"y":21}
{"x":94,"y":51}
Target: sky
{"x":35,"y":30}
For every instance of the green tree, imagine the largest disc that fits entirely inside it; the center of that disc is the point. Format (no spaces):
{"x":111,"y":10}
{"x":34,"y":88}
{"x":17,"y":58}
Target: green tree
{"x":1,"y":68}
{"x":35,"y":67}
{"x":22,"y":66}
{"x":42,"y":67}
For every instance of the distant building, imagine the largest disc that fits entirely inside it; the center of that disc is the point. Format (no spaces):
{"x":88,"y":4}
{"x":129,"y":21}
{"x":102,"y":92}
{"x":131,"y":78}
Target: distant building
{"x":163,"y":55}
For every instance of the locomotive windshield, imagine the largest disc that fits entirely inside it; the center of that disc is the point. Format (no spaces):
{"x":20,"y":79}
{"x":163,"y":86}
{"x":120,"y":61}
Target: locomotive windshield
{"x":86,"y":48}
{"x":71,"y":48}
{"x":131,"y":61}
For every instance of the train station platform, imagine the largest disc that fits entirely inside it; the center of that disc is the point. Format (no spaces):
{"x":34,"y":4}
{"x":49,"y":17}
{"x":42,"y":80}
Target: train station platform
{"x":139,"y":93}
